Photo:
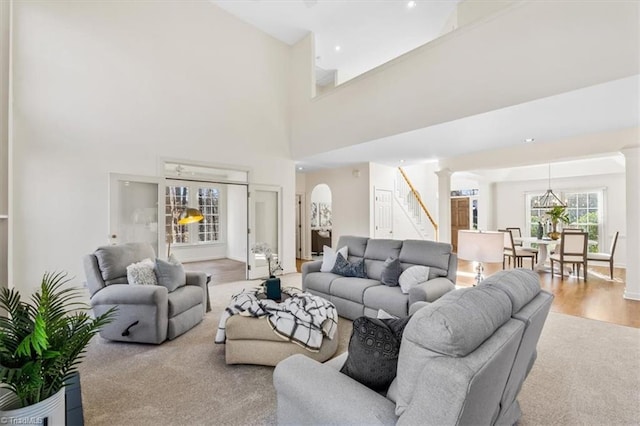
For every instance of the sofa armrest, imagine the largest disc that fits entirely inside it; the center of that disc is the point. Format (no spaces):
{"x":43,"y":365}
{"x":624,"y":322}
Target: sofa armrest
{"x":125,"y":294}
{"x":309,"y":392}
{"x":415,"y":307}
{"x":430,"y":291}
{"x":200,"y":279}
{"x":309,"y":267}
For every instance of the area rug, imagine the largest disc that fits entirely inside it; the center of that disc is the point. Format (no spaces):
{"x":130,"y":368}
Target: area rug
{"x":587,"y":373}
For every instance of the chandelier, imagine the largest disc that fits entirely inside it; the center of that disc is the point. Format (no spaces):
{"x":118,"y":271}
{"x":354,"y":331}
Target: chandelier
{"x":549,"y":200}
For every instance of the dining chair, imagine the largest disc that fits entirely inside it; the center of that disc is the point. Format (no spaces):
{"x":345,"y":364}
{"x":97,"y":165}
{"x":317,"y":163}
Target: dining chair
{"x":516,"y":233}
{"x":573,"y":250}
{"x":606,"y":257}
{"x":513,"y":252}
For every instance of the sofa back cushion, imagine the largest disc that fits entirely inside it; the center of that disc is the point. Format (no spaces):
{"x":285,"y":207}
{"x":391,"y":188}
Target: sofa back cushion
{"x":521,"y":285}
{"x":428,"y":253}
{"x":453,"y":326}
{"x":377,"y":252}
{"x":357,"y":245}
{"x":113,"y":260}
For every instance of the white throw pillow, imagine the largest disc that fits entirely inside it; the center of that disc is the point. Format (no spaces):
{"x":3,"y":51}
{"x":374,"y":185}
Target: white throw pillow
{"x":141,"y":273}
{"x":329,"y":257}
{"x":382,"y":314}
{"x":413,"y":276}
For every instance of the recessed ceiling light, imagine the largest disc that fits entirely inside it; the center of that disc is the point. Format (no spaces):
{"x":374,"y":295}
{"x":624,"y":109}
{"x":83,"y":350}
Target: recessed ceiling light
{"x":529,"y":140}
{"x":402,"y":161}
{"x":300,"y":168}
{"x":411,"y":4}
{"x":338,"y":48}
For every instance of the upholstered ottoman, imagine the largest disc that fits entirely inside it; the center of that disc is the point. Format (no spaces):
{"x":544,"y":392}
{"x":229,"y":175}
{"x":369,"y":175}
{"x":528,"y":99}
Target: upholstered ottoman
{"x":251,"y":340}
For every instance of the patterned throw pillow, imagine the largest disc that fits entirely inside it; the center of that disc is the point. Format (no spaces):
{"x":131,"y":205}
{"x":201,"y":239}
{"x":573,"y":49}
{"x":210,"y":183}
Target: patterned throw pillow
{"x":349,"y":269}
{"x":373,"y":351}
{"x":141,"y":273}
{"x":391,"y":272}
{"x":329,"y":257}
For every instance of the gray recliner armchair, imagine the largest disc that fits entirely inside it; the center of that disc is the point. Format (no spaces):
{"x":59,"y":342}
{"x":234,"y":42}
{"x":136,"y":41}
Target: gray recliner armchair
{"x":146,"y":313}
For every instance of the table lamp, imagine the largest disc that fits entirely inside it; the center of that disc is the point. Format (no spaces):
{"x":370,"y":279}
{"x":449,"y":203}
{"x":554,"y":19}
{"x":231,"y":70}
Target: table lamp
{"x":187,"y":215}
{"x":479,"y":246}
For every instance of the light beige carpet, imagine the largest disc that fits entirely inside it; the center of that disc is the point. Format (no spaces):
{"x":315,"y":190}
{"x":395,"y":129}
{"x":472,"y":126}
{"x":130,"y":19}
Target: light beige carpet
{"x":587,"y":373}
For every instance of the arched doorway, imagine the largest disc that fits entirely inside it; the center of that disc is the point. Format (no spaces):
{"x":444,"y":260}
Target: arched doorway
{"x":320,"y":218}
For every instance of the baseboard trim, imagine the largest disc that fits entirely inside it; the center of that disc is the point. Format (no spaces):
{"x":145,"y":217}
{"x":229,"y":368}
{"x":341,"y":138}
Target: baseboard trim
{"x":631,"y":296}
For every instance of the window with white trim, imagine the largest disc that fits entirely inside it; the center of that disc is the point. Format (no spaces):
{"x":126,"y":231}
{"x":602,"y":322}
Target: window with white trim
{"x":585,"y":209}
{"x":204,"y":197}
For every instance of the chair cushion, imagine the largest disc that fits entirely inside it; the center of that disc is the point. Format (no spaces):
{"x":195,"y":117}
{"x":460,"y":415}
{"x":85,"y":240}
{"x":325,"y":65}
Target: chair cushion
{"x":183,"y":299}
{"x":352,"y":289}
{"x":319,"y":281}
{"x":113,"y":260}
{"x":599,"y":256}
{"x":373,"y":351}
{"x":390,"y":299}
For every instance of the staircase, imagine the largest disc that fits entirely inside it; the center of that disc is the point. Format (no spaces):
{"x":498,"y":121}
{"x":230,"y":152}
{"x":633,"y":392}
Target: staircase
{"x":410,"y":201}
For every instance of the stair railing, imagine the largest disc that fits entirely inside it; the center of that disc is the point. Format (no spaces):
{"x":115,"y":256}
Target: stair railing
{"x":414,"y":202}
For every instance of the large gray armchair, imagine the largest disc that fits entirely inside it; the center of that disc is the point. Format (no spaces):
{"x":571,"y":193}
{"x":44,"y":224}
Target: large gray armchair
{"x":146,"y":313}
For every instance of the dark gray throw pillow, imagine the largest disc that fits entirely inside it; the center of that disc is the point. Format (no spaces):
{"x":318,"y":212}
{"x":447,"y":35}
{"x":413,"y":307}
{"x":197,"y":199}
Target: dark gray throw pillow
{"x":349,"y":269}
{"x":391,"y":271}
{"x":373,"y":351}
{"x":170,"y":274}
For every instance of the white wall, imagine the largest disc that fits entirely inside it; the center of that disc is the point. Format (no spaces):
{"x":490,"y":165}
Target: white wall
{"x":4,"y":141}
{"x":237,"y":222}
{"x":350,"y":201}
{"x":108,"y":86}
{"x":510,"y":204}
{"x":407,"y":93}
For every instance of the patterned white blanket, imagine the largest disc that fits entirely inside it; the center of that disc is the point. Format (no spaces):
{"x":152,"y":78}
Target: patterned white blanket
{"x":302,"y":318}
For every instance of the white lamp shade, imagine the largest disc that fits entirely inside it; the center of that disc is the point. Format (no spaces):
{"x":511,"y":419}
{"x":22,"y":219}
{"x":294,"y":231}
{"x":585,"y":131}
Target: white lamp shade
{"x":481,"y":246}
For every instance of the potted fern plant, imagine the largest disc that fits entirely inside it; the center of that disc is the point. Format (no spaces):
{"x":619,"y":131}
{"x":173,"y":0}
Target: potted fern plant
{"x":42,"y":342}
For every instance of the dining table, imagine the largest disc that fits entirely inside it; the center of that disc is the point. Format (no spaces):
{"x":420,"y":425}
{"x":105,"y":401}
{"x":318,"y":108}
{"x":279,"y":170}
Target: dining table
{"x":543,"y":251}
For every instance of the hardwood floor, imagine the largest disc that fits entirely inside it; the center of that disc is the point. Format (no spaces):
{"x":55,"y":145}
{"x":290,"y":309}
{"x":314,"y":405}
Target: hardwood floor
{"x":599,"y":298}
{"x":221,"y":270}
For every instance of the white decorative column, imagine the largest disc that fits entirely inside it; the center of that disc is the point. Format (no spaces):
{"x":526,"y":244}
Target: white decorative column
{"x":486,"y":206}
{"x":444,"y":205}
{"x":5,"y":29}
{"x":632,"y":181}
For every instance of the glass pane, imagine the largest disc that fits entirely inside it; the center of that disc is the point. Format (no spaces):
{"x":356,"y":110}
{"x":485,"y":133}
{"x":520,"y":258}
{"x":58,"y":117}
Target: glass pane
{"x":572,"y":200}
{"x":208,"y":203}
{"x":177,"y":197}
{"x":582,"y":200}
{"x":266,"y":224}
{"x":138,"y":212}
{"x":593,"y":200}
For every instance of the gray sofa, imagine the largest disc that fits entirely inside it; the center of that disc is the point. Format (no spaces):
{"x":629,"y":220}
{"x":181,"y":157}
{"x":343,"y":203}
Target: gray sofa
{"x":463,"y":360}
{"x":355,"y":297}
{"x":146,"y":313}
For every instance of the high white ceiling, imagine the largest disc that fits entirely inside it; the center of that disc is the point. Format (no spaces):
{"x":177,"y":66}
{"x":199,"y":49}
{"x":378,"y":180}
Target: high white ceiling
{"x":369,"y":33}
{"x":373,"y":32}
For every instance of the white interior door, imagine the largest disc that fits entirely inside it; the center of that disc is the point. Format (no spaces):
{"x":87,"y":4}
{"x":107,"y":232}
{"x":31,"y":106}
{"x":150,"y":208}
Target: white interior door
{"x":265,"y":219}
{"x":136,"y":210}
{"x":383,"y":214}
